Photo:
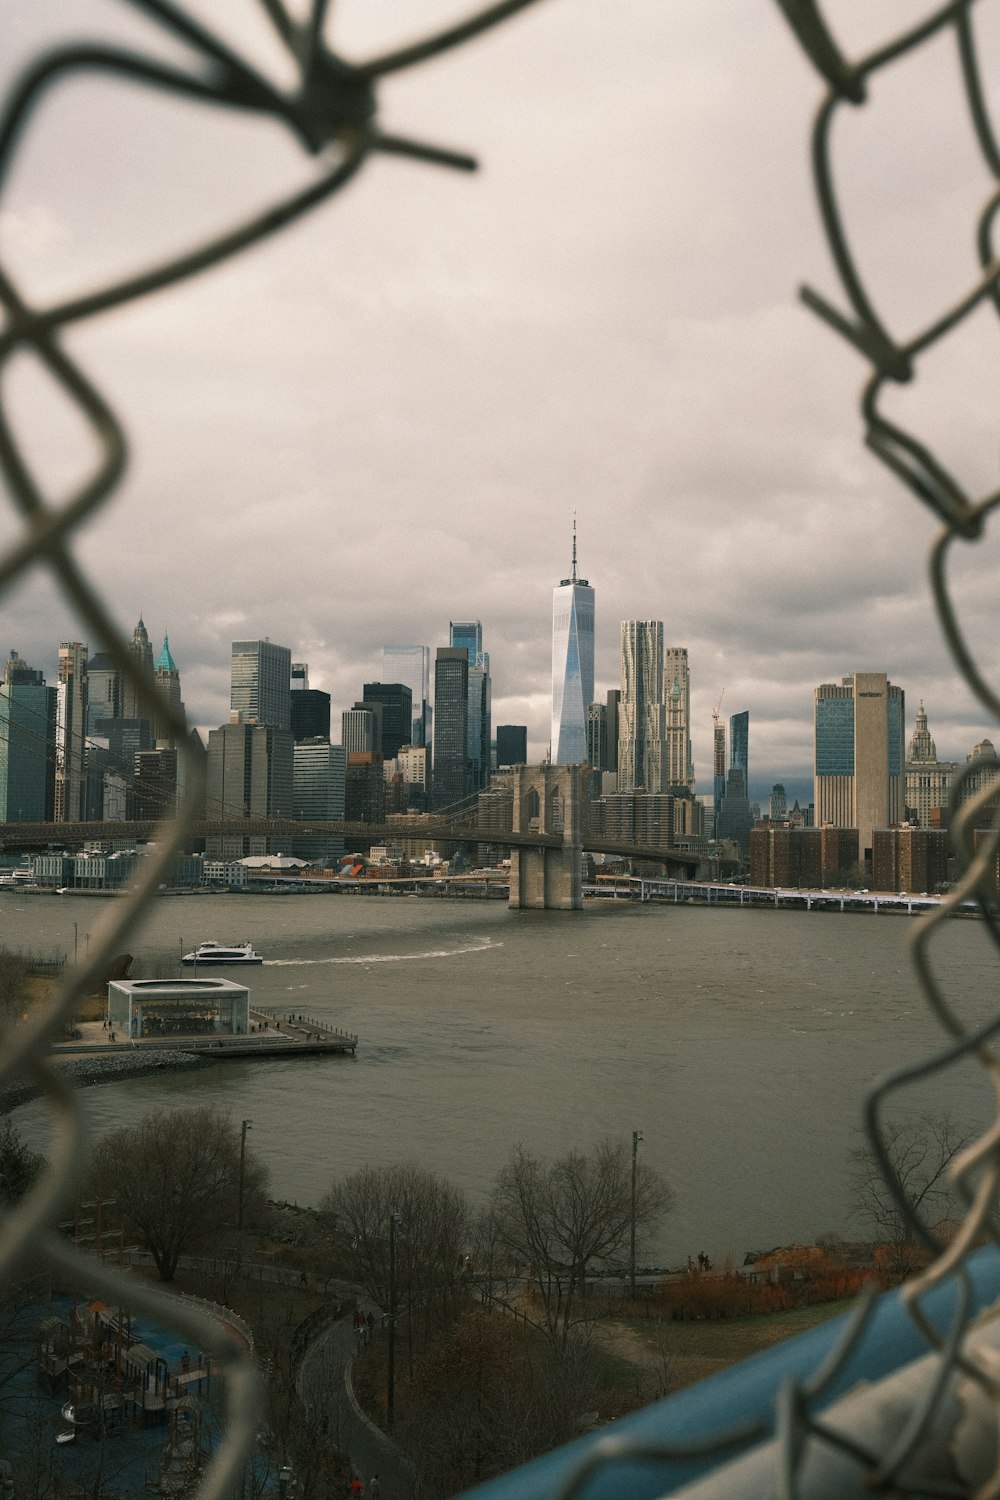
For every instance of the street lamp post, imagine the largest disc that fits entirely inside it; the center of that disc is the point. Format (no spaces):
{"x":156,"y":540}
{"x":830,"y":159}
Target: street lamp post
{"x":636,"y":1138}
{"x":390,"y":1386}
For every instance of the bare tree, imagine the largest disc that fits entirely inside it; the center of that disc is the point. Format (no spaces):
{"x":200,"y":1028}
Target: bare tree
{"x":920,"y":1152}
{"x":176,"y":1180}
{"x":560,"y":1222}
{"x":427,"y":1241}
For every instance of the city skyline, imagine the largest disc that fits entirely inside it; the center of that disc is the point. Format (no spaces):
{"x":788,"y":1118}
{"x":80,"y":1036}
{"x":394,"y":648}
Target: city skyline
{"x":518,"y":353}
{"x":760,"y":784}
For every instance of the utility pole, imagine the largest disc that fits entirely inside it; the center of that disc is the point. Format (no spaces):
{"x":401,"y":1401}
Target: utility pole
{"x":636,"y":1138}
{"x":390,"y":1388}
{"x":247,"y":1125}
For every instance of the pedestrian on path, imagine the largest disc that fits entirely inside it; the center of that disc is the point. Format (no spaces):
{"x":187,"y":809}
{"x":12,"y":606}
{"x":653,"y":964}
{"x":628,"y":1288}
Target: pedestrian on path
{"x":356,"y":1488}
{"x":373,"y":1488}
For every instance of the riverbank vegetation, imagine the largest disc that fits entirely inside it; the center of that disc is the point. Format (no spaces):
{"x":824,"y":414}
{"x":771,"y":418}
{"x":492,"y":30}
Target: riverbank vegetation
{"x":494,"y":1335}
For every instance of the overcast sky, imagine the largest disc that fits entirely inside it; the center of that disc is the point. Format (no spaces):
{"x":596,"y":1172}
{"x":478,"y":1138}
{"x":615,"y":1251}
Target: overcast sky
{"x":384,"y":418}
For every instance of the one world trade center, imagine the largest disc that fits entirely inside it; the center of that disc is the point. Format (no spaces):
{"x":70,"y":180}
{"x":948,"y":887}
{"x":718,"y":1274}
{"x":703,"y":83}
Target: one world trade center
{"x":572,"y":666}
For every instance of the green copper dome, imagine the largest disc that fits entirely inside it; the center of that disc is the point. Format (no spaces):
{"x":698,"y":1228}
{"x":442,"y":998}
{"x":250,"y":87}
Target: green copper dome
{"x":165,"y":662}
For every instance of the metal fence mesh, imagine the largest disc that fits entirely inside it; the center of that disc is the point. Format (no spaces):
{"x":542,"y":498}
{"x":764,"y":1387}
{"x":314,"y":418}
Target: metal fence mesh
{"x":801,"y":1430}
{"x":332,"y":113}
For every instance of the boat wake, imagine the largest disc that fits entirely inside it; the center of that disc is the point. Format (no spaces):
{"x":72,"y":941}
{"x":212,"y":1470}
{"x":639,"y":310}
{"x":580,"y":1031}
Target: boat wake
{"x":479,"y":946}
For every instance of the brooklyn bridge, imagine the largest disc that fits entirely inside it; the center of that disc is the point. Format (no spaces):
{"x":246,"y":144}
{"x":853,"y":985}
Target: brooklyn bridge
{"x":544,"y":824}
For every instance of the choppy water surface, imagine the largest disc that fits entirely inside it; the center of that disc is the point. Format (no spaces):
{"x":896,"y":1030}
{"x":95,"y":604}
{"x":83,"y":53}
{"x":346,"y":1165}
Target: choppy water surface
{"x":738,"y":1042}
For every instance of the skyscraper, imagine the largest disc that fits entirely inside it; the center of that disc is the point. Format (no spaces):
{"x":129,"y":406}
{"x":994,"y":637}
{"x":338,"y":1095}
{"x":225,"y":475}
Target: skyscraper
{"x":309,"y":709}
{"x":396,"y":703}
{"x":718,"y":759}
{"x":248,"y":775}
{"x":677,"y":700}
{"x":27,"y":744}
{"x":572,"y":666}
{"x":360,"y":729}
{"x":739,"y":746}
{"x":642,"y":747}
{"x":142,"y":656}
{"x":859,"y":755}
{"x":310,"y":714}
{"x":468,"y":635}
{"x":261,"y":683}
{"x":512,"y":745}
{"x":597,"y":735}
{"x":412,"y":666}
{"x":319,"y":775}
{"x":451,"y":725}
{"x":104,"y":693}
{"x":928,"y":780}
{"x":167,"y":681}
{"x":71,"y":721}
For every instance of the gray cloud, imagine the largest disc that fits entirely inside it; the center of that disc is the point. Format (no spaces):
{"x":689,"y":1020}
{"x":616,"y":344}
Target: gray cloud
{"x":386,"y":417}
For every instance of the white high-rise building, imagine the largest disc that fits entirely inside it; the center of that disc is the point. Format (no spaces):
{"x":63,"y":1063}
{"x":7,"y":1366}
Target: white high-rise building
{"x":572,"y":666}
{"x":643,"y":761}
{"x":359,"y":730}
{"x":261,"y":677}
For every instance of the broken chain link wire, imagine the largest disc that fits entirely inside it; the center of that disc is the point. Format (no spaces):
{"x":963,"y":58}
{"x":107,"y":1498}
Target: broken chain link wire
{"x":332,"y":112}
{"x":976,"y":1170}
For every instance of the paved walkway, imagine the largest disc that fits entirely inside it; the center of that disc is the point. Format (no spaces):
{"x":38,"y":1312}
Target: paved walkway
{"x":324,"y":1382}
{"x":324,"y":1379}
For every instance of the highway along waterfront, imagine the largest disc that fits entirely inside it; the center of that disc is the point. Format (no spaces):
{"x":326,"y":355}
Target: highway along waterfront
{"x":739,"y":1042}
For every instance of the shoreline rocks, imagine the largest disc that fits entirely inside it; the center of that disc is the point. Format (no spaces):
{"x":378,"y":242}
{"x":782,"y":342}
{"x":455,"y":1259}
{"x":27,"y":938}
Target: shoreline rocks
{"x":84,"y":1072}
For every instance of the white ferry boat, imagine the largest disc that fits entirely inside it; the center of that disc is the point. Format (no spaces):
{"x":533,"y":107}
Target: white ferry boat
{"x":215,"y":953}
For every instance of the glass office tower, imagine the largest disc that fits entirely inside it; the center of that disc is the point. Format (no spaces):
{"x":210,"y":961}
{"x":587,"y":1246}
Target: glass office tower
{"x":572,"y":667}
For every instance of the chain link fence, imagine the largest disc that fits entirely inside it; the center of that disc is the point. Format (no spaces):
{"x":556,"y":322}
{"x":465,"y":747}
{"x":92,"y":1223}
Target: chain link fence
{"x":932,"y":1430}
{"x":331,"y":112}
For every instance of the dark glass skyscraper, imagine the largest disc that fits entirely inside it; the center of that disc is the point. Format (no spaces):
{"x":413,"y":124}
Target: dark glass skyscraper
{"x":739,"y":745}
{"x":396,"y":702}
{"x":27,"y":744}
{"x":512,"y":744}
{"x":310,"y":714}
{"x":468,"y":634}
{"x":451,"y":725}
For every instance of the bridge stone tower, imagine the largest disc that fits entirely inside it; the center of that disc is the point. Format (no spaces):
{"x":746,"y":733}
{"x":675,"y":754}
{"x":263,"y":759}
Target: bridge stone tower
{"x":547,"y":800}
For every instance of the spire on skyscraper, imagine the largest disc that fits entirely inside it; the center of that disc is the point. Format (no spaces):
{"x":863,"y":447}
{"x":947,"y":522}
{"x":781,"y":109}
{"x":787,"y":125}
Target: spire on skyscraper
{"x":165,"y":662}
{"x":572,"y":666}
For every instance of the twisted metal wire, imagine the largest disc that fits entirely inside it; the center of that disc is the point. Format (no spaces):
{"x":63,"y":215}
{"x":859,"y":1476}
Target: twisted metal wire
{"x":976,"y":1170}
{"x":332,"y":113}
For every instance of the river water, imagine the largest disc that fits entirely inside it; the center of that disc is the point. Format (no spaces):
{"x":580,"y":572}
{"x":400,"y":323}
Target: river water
{"x":739,"y":1042}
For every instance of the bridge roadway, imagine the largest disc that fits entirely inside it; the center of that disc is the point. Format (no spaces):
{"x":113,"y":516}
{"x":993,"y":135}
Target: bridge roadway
{"x":17,"y":836}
